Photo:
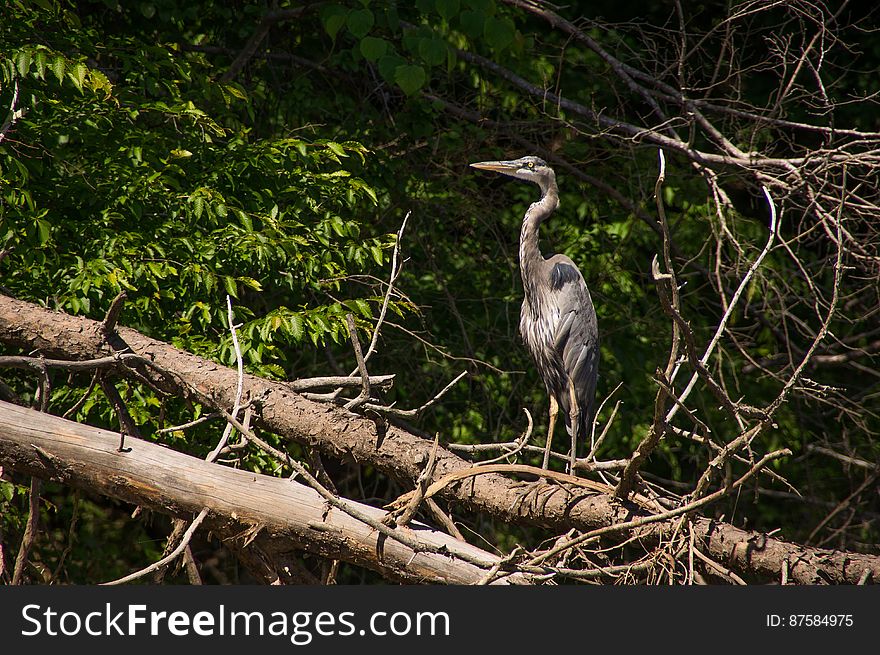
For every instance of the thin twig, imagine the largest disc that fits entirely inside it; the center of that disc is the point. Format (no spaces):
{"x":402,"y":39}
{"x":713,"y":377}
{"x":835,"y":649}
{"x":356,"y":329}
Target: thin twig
{"x":190,"y":424}
{"x":722,"y":325}
{"x":183,"y":546}
{"x":307,"y":384}
{"x":30,"y":531}
{"x":173,"y":555}
{"x":443,"y":519}
{"x":422,"y":483}
{"x":396,"y":267}
{"x":82,"y":401}
{"x":518,"y":445}
{"x":854,"y":461}
{"x":408,"y":413}
{"x":239,"y":387}
{"x":127,"y":425}
{"x":594,"y":444}
{"x":362,"y":365}
{"x":71,"y":535}
{"x":113,"y":312}
{"x":73,"y":366}
{"x":14,"y":114}
{"x":582,"y":463}
{"x":689,"y":507}
{"x":718,"y":569}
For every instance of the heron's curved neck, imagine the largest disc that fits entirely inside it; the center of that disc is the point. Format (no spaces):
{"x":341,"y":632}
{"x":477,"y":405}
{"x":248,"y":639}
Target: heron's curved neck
{"x":529,"y":252}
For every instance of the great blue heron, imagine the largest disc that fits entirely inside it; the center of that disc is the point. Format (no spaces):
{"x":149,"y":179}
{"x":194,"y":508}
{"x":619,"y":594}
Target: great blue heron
{"x":558,"y":322}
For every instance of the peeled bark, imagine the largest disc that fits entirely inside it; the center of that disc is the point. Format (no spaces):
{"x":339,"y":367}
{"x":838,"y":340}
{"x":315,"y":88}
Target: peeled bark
{"x":276,"y":515}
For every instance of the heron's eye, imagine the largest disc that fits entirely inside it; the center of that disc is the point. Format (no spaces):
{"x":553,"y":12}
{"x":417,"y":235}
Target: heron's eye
{"x":531,"y":164}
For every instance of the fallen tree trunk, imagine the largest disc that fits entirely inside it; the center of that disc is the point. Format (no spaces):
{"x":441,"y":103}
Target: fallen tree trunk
{"x":402,"y":455}
{"x":276,"y":515}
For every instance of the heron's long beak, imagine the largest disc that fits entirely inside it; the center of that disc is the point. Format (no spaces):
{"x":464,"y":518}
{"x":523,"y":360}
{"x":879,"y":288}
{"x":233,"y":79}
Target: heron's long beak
{"x":506,"y":167}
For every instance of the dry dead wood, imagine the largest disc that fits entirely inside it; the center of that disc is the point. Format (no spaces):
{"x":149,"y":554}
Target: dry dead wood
{"x":402,"y":455}
{"x":275,"y":515}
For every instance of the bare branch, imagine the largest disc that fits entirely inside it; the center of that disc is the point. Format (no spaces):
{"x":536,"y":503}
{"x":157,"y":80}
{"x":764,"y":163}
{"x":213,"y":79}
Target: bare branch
{"x":173,"y":555}
{"x":30,"y":531}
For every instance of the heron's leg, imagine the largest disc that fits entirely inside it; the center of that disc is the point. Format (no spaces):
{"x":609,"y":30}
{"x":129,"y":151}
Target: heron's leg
{"x":574,"y":417}
{"x":554,"y":410}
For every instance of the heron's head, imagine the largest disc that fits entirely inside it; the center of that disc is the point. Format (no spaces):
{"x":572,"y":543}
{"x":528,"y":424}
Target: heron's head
{"x":531,"y":169}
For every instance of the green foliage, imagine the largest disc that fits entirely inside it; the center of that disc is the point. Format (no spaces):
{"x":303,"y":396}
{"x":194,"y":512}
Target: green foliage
{"x":154,"y":186}
{"x":137,"y":167}
{"x":132,"y":169}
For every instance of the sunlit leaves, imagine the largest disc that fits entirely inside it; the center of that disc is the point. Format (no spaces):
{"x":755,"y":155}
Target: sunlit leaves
{"x":77,"y":74}
{"x":161,"y":192}
{"x":36,"y":61}
{"x":58,"y":67}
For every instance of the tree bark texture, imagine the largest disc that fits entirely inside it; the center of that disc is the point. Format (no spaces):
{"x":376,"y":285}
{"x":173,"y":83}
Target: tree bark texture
{"x":277,"y":516}
{"x":402,"y":455}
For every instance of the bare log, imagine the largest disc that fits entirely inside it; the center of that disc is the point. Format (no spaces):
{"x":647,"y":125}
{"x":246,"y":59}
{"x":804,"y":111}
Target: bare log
{"x":278,"y":515}
{"x":402,"y":455}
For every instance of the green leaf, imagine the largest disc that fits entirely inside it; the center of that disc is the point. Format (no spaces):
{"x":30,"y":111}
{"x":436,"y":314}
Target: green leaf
{"x":198,"y":206}
{"x":388,"y":65}
{"x":499,"y":32}
{"x":23,"y":62}
{"x":251,"y":283}
{"x":432,"y":51}
{"x":230,"y":286}
{"x":333,"y":17}
{"x":245,"y":220}
{"x":59,"y":66}
{"x":410,"y":78}
{"x":472,"y":23}
{"x":296,"y":326}
{"x":7,"y":490}
{"x":78,"y":75}
{"x":40,"y":60}
{"x":336,"y":148}
{"x":447,"y":8}
{"x":44,"y":231}
{"x":236,"y":91}
{"x":373,"y":47}
{"x":99,"y":81}
{"x":363,"y":307}
{"x":360,"y":22}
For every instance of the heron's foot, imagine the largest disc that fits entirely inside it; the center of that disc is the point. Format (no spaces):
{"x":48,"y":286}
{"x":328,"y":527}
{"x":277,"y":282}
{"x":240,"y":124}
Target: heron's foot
{"x":533,"y":496}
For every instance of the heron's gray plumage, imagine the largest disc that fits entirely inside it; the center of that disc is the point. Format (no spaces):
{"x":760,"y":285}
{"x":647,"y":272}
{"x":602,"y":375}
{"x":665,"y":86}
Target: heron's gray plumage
{"x":558,"y":321}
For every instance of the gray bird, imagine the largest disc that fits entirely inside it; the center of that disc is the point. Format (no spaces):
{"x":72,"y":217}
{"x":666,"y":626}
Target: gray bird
{"x":558,"y":322}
